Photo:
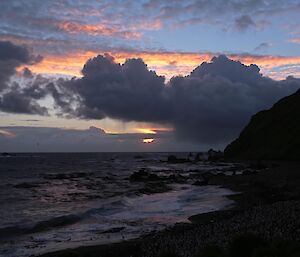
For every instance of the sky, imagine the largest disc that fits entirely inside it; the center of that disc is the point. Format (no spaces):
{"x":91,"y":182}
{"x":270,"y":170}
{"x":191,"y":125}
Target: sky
{"x":91,"y":75}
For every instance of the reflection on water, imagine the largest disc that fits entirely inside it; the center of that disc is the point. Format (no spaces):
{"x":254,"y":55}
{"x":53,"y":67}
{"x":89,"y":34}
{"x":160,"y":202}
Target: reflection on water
{"x":55,"y":201}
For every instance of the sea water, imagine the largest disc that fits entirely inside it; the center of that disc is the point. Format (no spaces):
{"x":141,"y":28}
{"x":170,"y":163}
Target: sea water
{"x":56,"y":201}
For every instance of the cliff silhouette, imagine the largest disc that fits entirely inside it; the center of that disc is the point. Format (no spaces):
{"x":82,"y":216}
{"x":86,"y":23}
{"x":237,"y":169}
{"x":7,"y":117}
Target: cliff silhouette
{"x":272,"y":134}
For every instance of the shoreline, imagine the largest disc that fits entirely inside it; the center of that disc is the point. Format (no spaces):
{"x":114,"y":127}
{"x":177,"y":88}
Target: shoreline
{"x":260,"y":193}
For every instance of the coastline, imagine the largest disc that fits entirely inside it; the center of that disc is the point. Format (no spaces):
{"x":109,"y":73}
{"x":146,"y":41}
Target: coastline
{"x":275,"y":188}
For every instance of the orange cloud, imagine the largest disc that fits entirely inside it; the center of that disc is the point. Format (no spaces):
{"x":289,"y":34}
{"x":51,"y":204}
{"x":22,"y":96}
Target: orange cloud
{"x":146,"y":131}
{"x":164,"y":63}
{"x":154,"y":130}
{"x":97,"y":29}
{"x":266,"y":60}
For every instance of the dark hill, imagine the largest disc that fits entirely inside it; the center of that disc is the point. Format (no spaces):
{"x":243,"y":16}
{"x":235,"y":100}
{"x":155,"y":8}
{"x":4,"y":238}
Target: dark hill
{"x":271,"y":135}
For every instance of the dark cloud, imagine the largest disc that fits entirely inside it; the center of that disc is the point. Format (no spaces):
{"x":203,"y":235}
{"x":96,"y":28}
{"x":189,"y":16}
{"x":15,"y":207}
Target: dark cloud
{"x":244,"y":22}
{"x":211,"y":105}
{"x":218,"y":98}
{"x":128,"y":92}
{"x":19,"y":54}
{"x":11,"y":57}
{"x":17,"y":102}
{"x":14,"y":98}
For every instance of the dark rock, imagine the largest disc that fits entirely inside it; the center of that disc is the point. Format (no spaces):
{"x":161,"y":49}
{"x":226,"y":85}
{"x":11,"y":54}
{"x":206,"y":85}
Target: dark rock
{"x":142,"y":175}
{"x":199,"y":157}
{"x":174,"y":159}
{"x":215,"y":155}
{"x":152,"y":188}
{"x":271,"y":135}
{"x":5,"y":154}
{"x":176,"y":179}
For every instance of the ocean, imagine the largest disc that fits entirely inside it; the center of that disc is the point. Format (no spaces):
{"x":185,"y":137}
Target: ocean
{"x":53,"y":201}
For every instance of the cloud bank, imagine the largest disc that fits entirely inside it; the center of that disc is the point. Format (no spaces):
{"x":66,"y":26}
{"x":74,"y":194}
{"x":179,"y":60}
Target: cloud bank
{"x":209,"y":106}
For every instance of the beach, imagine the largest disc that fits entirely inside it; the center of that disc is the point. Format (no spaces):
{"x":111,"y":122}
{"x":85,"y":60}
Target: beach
{"x":268,"y":205}
{"x":52,"y":202}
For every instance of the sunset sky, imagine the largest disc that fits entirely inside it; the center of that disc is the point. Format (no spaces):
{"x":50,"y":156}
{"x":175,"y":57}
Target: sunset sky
{"x":43,"y":44}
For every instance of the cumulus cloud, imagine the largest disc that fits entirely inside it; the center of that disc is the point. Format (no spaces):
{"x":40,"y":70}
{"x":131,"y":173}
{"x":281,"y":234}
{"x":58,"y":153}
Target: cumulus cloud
{"x":16,"y":102}
{"x":211,"y":105}
{"x":218,"y":98}
{"x":128,"y":92}
{"x":11,"y":57}
{"x":13,"y":98}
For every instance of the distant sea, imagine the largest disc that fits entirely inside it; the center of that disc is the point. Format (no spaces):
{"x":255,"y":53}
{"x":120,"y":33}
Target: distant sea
{"x":63,"y":200}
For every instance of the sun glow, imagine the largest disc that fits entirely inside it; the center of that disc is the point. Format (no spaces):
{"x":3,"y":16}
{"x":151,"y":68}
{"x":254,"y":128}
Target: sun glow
{"x":146,"y":131}
{"x":148,"y":140}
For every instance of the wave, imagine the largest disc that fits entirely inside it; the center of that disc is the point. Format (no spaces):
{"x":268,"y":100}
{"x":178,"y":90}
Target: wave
{"x":41,"y":226}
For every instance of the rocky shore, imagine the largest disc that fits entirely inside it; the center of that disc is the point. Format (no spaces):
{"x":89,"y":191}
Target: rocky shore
{"x":275,"y":221}
{"x":268,"y":205}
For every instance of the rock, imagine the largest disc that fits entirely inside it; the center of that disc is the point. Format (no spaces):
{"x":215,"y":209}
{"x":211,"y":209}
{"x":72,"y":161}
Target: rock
{"x":200,"y":157}
{"x":176,"y":178}
{"x":174,"y":159}
{"x":142,"y":175}
{"x":5,"y":154}
{"x":273,"y":134}
{"x":215,"y":155}
{"x":153,"y":188}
